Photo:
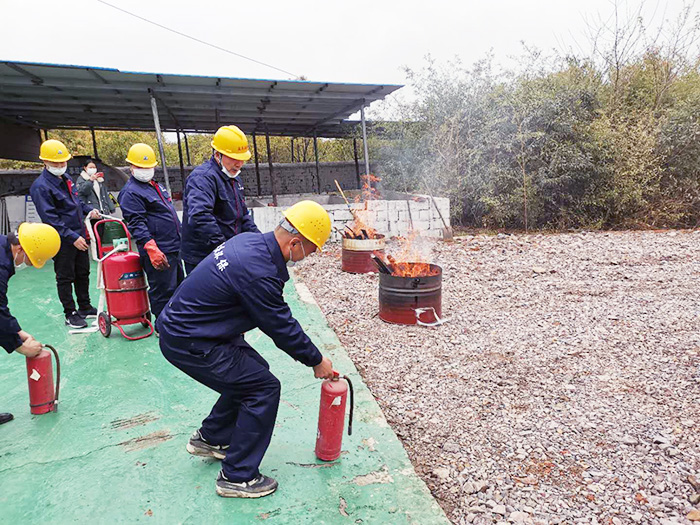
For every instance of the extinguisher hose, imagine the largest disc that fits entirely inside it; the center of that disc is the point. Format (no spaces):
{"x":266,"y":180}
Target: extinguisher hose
{"x":58,"y":375}
{"x":352,"y":404}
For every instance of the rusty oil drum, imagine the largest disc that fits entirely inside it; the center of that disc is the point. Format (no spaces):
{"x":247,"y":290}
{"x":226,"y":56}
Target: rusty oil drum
{"x":400,"y":297}
{"x":357,"y":254}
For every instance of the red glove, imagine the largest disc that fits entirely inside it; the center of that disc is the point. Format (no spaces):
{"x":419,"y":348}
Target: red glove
{"x":158,"y":258}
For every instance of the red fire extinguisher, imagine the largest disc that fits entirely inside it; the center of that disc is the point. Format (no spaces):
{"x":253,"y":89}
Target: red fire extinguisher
{"x":42,"y":397}
{"x":331,"y":417}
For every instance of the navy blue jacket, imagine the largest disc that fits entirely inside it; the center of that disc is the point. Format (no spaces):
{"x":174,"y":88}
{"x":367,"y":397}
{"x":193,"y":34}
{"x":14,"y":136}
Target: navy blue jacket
{"x":149,"y":214}
{"x":236,"y":288}
{"x":9,"y":326}
{"x":58,"y":206}
{"x":213,"y":210}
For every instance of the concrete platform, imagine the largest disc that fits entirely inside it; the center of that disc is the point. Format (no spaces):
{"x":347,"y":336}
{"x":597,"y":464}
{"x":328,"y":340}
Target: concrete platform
{"x":115,"y":450}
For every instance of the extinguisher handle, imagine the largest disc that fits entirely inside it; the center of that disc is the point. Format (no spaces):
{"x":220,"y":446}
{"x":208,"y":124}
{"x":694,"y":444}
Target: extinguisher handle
{"x":336,"y":375}
{"x":58,"y":375}
{"x":352,"y":404}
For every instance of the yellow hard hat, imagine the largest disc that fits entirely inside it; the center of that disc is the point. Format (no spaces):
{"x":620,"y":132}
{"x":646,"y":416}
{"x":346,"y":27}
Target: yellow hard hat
{"x":311,"y":220}
{"x":232,"y":142}
{"x":40,"y":242}
{"x":142,"y":156}
{"x":54,"y":151}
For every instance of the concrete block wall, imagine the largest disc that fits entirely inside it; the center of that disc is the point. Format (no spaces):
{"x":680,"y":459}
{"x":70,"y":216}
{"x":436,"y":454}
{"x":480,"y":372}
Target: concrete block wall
{"x":293,"y":178}
{"x":389,"y":217}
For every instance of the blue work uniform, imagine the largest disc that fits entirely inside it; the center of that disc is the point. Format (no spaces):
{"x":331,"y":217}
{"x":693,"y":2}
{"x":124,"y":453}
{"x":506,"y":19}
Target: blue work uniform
{"x":213,"y":210}
{"x":9,"y":327}
{"x":58,"y":205}
{"x":236,"y":288}
{"x":149,"y":214}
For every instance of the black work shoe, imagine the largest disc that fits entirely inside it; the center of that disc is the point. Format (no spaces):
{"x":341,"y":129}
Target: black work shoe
{"x":198,"y":447}
{"x":255,"y":488}
{"x":5,"y":418}
{"x":74,"y":320}
{"x":89,"y":312}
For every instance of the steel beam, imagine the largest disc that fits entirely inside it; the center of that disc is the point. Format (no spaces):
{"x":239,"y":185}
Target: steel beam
{"x":273,"y":182}
{"x":159,"y":134}
{"x":364,"y":141}
{"x":257,"y":163}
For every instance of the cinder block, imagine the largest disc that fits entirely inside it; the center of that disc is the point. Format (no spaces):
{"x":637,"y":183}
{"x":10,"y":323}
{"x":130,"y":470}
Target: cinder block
{"x":424,"y":215}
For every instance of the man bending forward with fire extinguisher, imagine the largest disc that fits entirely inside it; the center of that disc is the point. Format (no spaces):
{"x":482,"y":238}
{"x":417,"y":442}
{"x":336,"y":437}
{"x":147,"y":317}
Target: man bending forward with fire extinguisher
{"x":32,"y":245}
{"x":236,"y":288}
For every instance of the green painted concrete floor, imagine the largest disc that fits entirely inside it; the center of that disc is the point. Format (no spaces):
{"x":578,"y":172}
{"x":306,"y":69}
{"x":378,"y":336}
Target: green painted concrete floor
{"x":115,"y":450}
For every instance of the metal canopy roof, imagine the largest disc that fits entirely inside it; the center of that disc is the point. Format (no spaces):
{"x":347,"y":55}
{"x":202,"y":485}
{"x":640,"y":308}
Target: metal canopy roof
{"x":47,"y":96}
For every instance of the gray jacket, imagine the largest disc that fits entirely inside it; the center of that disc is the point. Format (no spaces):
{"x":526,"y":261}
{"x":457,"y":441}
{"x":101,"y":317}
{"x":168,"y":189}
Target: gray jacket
{"x":86,"y":191}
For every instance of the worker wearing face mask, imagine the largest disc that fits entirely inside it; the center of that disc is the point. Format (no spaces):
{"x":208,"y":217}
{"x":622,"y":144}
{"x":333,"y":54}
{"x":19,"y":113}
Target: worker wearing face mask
{"x":236,"y":288}
{"x":58,"y":205}
{"x":151,"y":218}
{"x":214,"y":206}
{"x":31,"y":245}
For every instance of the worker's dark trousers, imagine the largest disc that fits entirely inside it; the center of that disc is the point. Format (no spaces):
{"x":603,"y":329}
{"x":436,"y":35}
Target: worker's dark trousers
{"x":244,"y":416}
{"x":72,"y":268}
{"x":189,"y":267}
{"x":162,"y":283}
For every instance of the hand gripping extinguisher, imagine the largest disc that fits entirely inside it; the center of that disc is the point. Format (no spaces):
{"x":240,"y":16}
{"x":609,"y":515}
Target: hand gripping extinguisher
{"x":331,"y":416}
{"x":42,"y":398}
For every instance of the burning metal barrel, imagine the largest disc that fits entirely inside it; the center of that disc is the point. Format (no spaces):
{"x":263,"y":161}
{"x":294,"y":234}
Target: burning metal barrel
{"x":415,"y":297}
{"x":357,"y":254}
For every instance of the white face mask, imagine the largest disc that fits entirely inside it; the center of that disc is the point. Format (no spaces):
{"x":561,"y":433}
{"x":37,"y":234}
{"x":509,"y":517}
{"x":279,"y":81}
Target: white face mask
{"x":91,"y":171}
{"x":56,"y":171}
{"x":144,"y":174}
{"x":227,"y":172}
{"x":19,"y":266}
{"x":290,"y":262}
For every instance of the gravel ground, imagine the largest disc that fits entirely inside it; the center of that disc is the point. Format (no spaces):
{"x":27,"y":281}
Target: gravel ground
{"x":565,"y":386}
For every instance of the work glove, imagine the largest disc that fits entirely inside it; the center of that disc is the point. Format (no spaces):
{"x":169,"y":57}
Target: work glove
{"x":158,"y":258}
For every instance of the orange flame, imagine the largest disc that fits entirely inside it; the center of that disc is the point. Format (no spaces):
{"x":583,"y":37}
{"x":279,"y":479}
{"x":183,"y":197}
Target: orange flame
{"x":360,"y":226}
{"x":410,"y":261}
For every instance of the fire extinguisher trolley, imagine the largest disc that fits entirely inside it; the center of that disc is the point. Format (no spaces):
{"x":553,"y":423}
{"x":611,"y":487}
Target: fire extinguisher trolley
{"x":121,"y":280}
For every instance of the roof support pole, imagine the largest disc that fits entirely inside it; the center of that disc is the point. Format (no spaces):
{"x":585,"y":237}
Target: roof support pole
{"x":292,"y":149}
{"x":46,"y":134}
{"x":364,"y":140}
{"x":318,"y":176}
{"x":94,"y":143}
{"x":273,"y":182}
{"x":187,"y":149}
{"x":257,"y":162}
{"x":357,"y":164}
{"x":182,"y":164}
{"x":156,"y":122}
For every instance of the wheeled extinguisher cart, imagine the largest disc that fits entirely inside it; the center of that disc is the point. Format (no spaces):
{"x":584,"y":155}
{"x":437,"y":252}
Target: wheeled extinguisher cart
{"x":121,"y":280}
{"x":331,"y":416}
{"x":43,"y":397}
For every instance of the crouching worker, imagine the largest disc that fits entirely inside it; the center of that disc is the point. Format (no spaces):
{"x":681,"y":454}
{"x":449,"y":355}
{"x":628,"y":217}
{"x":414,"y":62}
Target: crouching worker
{"x":151,"y":218}
{"x":32,"y":245}
{"x":236,"y":288}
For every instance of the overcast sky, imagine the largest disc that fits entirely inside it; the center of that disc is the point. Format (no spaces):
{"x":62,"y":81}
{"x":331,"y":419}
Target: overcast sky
{"x":342,"y":41}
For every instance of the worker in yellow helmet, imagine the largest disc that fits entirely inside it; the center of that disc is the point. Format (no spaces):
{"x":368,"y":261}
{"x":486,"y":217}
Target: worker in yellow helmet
{"x":213,"y":204}
{"x":58,"y":205}
{"x":31,"y":245}
{"x":153,"y":222}
{"x":236,"y":288}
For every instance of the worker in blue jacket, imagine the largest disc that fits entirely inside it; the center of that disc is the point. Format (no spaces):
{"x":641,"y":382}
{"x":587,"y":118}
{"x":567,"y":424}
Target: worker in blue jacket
{"x":214,"y":206}
{"x":31,"y":245}
{"x":236,"y":288}
{"x":58,"y":205}
{"x":152,"y":220}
